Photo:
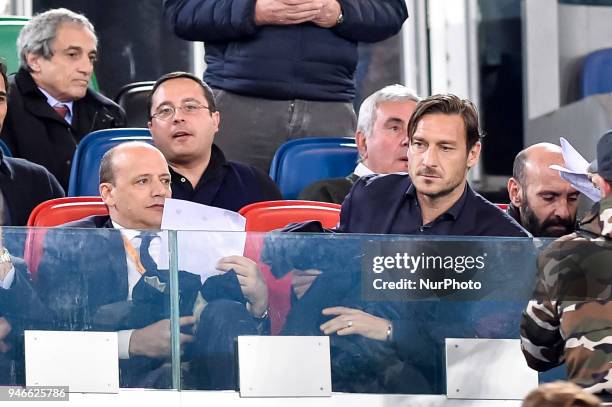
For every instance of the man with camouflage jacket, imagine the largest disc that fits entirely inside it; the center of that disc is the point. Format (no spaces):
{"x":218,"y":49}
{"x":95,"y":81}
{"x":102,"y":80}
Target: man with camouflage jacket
{"x":570,"y":321}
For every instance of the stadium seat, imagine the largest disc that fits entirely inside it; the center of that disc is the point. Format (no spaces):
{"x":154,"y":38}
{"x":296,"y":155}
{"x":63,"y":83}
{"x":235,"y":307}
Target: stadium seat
{"x":10,"y":27}
{"x":298,"y":163}
{"x":133,"y":99}
{"x":84,"y":178}
{"x":503,"y":207}
{"x":56,"y":212}
{"x":270,"y":215}
{"x":596,"y":73}
{"x":5,"y":150}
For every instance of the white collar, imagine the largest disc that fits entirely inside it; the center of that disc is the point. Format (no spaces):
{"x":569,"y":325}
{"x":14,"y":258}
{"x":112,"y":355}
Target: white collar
{"x":361,"y":170}
{"x":128,"y":233}
{"x":53,"y":101}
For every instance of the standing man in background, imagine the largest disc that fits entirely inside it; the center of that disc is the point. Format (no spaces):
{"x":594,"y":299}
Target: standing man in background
{"x":282,"y":69}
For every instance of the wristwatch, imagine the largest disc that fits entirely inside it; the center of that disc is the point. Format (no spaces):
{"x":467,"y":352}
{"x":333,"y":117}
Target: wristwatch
{"x":340,"y":18}
{"x":5,"y":257}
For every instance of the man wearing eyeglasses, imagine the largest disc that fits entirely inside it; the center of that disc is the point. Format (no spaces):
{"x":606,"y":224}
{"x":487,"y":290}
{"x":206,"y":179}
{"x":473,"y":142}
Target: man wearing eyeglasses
{"x":183,"y":121}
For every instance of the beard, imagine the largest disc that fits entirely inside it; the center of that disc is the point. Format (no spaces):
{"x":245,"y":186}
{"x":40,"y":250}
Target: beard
{"x":550,"y":227}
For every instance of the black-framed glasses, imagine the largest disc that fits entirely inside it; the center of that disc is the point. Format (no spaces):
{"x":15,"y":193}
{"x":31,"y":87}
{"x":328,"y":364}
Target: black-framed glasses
{"x":167,"y":112}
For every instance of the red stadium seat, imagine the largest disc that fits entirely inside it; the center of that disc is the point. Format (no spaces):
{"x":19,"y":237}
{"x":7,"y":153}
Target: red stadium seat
{"x":270,"y":215}
{"x":56,"y":212}
{"x":503,"y":207}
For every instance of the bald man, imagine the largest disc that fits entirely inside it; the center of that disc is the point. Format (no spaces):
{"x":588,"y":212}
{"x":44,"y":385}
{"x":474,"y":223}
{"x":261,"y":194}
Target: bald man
{"x":540,"y":200}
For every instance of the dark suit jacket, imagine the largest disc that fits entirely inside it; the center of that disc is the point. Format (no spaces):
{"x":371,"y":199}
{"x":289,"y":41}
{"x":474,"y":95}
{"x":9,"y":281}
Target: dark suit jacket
{"x":25,"y":185}
{"x":34,"y":131}
{"x":332,"y":190}
{"x":81,"y":274}
{"x":22,"y":308}
{"x":83,"y":280}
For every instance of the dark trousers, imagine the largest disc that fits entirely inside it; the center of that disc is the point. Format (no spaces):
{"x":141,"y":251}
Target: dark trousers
{"x":214,"y":363}
{"x":252,"y":129}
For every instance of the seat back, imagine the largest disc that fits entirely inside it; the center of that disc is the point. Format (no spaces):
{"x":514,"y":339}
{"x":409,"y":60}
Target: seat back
{"x":264,"y":217}
{"x":597,"y":73}
{"x":84,"y":173}
{"x":270,"y":215}
{"x":56,"y":212}
{"x":5,"y":150}
{"x":9,"y":31}
{"x":133,"y":99}
{"x":298,"y":163}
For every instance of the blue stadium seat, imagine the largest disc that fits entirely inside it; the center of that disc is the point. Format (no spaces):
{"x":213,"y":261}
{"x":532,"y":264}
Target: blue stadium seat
{"x":5,"y":150}
{"x":298,"y":163}
{"x":84,"y":174}
{"x":597,"y":73}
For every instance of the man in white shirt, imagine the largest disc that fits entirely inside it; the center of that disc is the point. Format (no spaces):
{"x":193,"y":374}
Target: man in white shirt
{"x":109,"y":279}
{"x":381,"y":139}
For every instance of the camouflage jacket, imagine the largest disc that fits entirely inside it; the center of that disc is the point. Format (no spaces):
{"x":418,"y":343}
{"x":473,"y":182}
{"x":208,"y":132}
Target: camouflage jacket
{"x":570,"y":319}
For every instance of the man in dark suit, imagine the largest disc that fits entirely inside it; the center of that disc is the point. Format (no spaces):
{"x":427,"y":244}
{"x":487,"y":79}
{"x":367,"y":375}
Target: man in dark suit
{"x":381,"y":141}
{"x":23,"y":185}
{"x":434,"y":198}
{"x":51,"y":107}
{"x":109,"y":279}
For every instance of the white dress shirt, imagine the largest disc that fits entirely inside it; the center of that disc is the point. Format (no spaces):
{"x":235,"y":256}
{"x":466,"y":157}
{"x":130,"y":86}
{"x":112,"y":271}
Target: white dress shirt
{"x":133,"y":277}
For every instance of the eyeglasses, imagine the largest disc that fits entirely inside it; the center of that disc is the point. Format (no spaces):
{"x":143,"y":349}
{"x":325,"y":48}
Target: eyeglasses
{"x":167,"y":112}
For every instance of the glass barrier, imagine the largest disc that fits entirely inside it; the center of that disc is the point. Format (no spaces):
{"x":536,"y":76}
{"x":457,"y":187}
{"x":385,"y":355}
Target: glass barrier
{"x":387,"y":303}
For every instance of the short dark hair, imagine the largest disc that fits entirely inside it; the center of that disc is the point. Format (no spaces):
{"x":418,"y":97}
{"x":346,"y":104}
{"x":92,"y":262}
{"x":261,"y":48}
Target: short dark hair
{"x":3,"y":73}
{"x":518,"y":168}
{"x":106,"y":167}
{"x":208,"y":93}
{"x":450,"y":105}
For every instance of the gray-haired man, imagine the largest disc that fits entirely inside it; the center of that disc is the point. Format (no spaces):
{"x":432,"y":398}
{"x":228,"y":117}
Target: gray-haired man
{"x":381,"y":138}
{"x":51,"y":107}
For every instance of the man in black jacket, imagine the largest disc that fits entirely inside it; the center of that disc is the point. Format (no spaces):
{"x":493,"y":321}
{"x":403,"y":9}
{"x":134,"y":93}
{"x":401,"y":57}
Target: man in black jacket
{"x":51,"y":107}
{"x":282,"y":69}
{"x":183,"y":121}
{"x":23,"y":185}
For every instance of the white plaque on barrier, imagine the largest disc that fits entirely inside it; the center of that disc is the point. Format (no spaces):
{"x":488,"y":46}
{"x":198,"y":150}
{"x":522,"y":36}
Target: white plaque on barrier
{"x":86,"y":362}
{"x":492,"y":369}
{"x":284,"y":366}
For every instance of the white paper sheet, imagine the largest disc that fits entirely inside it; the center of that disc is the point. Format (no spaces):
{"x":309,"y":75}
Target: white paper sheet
{"x":575,"y":171}
{"x":200,"y":251}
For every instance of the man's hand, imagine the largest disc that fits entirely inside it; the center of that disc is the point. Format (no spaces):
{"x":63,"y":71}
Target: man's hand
{"x":302,"y":280}
{"x":351,"y":321}
{"x":154,"y":340}
{"x":251,"y":282}
{"x":5,"y":329}
{"x":328,"y":17}
{"x":286,"y":12}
